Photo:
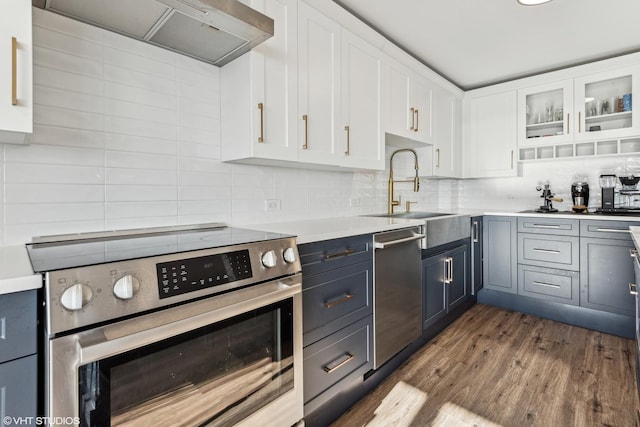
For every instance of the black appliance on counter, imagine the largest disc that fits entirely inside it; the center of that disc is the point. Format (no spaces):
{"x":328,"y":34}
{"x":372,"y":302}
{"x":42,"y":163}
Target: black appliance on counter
{"x":623,"y":199}
{"x":580,"y":196}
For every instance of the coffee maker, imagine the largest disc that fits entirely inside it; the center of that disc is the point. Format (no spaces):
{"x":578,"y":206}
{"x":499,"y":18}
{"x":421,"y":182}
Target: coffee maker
{"x":608,"y":186}
{"x":580,"y":196}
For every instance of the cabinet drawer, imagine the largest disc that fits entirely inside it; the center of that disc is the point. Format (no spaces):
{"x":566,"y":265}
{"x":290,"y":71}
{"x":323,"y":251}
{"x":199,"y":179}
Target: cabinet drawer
{"x":19,"y":385}
{"x":18,"y":322}
{"x":331,"y":254}
{"x":333,"y":363}
{"x":555,"y":226}
{"x":607,"y":229}
{"x":549,"y":251}
{"x":334,"y":299}
{"x":549,"y":284}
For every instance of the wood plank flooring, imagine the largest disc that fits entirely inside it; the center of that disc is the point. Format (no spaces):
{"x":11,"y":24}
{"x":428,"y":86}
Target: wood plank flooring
{"x":499,"y":368}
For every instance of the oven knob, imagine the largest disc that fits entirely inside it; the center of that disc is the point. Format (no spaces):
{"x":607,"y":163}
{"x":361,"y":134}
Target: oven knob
{"x":289,"y":255}
{"x":76,"y":297}
{"x":125,"y":287}
{"x":269,"y":259}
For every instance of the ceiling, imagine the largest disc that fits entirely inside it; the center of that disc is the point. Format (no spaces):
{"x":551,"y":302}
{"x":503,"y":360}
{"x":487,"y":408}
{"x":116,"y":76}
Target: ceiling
{"x":476,"y":43}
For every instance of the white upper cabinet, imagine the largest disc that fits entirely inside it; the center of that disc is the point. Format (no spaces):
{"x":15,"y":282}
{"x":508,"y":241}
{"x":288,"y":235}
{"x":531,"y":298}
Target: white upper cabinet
{"x":16,"y":72}
{"x":318,"y":88}
{"x":490,"y":144}
{"x":259,"y":92}
{"x":604,"y":104}
{"x":363,"y":138}
{"x":421,"y":98}
{"x":397,"y":101}
{"x":446,"y":134}
{"x":409,"y":103}
{"x":545,"y":113}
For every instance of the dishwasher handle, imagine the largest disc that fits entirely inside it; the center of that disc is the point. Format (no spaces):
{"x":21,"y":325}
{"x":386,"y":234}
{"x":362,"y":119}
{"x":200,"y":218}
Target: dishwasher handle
{"x":384,"y":245}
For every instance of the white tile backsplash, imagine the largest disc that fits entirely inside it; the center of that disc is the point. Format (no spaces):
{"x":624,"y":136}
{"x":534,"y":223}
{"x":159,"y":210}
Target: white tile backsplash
{"x":128,"y":135}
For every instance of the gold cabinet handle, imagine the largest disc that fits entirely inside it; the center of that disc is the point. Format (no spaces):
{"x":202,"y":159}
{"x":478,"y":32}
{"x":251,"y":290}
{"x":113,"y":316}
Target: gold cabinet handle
{"x":579,"y":120}
{"x":305,"y":118}
{"x":346,"y":152}
{"x":633,"y":289}
{"x":261,"y":108}
{"x":349,"y":358}
{"x":339,"y":254}
{"x":437,"y":157}
{"x":14,"y":71}
{"x":476,"y":234}
{"x":338,"y":301}
{"x":568,"y":123}
{"x":511,"y":159}
{"x":413,"y":118}
{"x":417,"y":119}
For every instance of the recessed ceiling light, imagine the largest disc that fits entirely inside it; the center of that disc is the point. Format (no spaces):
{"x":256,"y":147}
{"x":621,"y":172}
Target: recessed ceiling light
{"x":532,"y":2}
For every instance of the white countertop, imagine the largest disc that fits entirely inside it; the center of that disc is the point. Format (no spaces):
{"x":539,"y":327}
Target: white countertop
{"x":16,"y":273}
{"x":315,"y":230}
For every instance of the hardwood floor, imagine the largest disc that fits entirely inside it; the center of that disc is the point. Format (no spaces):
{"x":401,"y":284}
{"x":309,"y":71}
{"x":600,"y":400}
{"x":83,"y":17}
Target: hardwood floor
{"x":499,"y":368}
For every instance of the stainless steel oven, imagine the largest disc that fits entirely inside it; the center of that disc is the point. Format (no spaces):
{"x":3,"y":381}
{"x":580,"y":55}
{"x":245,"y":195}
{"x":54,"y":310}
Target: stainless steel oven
{"x":173,"y":327}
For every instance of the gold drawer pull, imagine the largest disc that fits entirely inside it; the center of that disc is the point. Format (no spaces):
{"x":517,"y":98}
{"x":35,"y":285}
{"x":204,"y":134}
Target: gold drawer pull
{"x":633,"y":289}
{"x":339,"y":254}
{"x":349,"y":358}
{"x":347,"y":297}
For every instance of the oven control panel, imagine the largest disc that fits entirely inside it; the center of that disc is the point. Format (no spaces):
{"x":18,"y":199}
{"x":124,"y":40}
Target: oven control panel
{"x":193,"y":274}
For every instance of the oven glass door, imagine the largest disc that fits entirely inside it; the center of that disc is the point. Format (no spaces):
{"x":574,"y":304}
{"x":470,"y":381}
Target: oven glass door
{"x":217,"y":374}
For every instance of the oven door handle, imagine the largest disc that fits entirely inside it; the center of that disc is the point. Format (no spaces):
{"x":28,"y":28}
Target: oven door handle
{"x":200,"y":315}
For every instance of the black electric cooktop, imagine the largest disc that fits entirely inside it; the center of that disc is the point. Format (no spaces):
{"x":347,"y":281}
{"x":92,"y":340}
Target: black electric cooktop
{"x":70,"y":251}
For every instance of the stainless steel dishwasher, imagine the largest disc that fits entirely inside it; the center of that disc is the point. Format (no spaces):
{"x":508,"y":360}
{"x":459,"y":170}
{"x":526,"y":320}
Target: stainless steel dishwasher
{"x":397,"y":310}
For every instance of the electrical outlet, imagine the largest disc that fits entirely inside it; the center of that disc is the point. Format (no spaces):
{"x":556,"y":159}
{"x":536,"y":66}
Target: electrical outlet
{"x":354,"y":202}
{"x":272,"y":205}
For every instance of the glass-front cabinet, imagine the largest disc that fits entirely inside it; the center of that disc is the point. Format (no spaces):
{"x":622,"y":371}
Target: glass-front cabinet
{"x":584,"y":116}
{"x":545,"y":113}
{"x":604,"y":104}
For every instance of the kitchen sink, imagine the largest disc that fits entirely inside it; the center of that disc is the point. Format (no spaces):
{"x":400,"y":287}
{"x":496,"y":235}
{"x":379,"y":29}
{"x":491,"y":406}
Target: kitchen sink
{"x":412,"y":215}
{"x":439,"y":228}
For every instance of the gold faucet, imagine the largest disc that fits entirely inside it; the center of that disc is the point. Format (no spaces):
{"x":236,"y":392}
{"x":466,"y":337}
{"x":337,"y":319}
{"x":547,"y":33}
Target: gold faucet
{"x":416,"y":180}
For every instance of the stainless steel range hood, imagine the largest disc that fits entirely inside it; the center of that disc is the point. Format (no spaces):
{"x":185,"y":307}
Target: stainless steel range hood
{"x":214,"y":31}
